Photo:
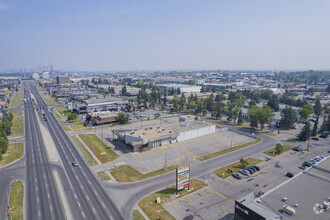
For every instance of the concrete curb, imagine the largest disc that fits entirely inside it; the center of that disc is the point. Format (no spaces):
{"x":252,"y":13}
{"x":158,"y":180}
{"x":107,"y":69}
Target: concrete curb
{"x":141,"y":211}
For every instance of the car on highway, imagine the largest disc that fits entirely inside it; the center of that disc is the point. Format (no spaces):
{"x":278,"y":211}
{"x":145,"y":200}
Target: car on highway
{"x":244,"y":172}
{"x":298,"y":149}
{"x":237,"y":176}
{"x":74,"y":163}
{"x":45,"y":119}
{"x":289,"y":174}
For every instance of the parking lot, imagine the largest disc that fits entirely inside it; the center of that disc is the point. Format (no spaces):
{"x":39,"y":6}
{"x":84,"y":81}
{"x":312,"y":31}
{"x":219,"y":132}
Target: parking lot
{"x":217,"y":200}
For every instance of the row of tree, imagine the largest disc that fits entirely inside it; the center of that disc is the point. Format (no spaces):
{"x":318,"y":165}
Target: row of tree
{"x":5,"y":130}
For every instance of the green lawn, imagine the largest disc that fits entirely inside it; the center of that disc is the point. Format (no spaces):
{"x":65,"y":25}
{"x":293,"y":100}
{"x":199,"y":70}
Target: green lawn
{"x":66,"y":128}
{"x":127,"y":173}
{"x":272,"y":152}
{"x":57,"y":115}
{"x":16,"y":102}
{"x":101,"y":150}
{"x":79,"y":127}
{"x":216,"y":154}
{"x":293,"y":139}
{"x":235,"y":167}
{"x":137,"y":215}
{"x":103,"y":175}
{"x":15,"y":111}
{"x":11,"y":154}
{"x":151,"y":208}
{"x":17,"y":129}
{"x":16,"y":200}
{"x":86,"y":153}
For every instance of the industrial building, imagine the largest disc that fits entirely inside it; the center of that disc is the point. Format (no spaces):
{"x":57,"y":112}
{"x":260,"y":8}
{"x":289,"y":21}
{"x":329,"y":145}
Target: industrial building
{"x":98,"y":118}
{"x":151,"y":137}
{"x":183,"y":87}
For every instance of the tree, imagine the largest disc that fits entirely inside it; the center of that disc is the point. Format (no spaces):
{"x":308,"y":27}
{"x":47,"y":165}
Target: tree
{"x":274,"y":103}
{"x":305,"y":133}
{"x":252,"y":103}
{"x":124,"y":90}
{"x":264,"y":114}
{"x":178,"y":91}
{"x":328,"y":123}
{"x":306,"y":110}
{"x":3,"y":145}
{"x":324,"y":125}
{"x":243,"y":162}
{"x":279,"y":148}
{"x":253,"y":116}
{"x":240,"y":118}
{"x":315,"y":126}
{"x":288,"y":117}
{"x":72,"y":116}
{"x":203,"y":89}
{"x":318,"y":107}
{"x":0,"y":156}
{"x":123,"y":118}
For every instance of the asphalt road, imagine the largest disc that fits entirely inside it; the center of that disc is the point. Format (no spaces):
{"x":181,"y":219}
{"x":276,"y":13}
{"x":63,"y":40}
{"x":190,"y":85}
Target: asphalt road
{"x":90,"y":198}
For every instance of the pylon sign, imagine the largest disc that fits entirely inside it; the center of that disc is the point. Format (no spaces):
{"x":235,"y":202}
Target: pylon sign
{"x":182,"y":178}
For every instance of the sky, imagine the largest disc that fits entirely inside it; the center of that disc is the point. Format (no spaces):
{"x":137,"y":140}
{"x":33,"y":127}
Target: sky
{"x":96,"y":35}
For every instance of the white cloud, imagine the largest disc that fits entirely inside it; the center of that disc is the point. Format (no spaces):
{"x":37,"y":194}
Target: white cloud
{"x":3,"y":6}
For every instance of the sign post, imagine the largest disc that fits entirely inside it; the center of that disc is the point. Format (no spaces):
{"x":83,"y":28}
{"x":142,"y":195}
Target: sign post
{"x":182,"y":178}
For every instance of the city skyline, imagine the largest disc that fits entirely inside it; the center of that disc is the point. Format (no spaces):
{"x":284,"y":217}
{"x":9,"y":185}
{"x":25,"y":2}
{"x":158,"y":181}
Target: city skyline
{"x":186,"y":35}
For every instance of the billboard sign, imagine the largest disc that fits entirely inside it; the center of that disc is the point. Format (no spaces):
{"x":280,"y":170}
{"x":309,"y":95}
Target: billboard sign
{"x":182,"y":178}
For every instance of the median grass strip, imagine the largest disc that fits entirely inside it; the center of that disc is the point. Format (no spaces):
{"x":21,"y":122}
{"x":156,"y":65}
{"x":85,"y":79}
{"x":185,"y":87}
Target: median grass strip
{"x":15,"y":111}
{"x":127,"y":173}
{"x":11,"y":153}
{"x":235,"y":167}
{"x":17,"y":129}
{"x":272,"y":152}
{"x":100,"y":149}
{"x":16,"y":200}
{"x":87,"y":155}
{"x":156,"y":210}
{"x":137,"y":215}
{"x":103,"y":175}
{"x":293,"y":139}
{"x":79,"y":127}
{"x":66,"y":128}
{"x":216,"y":154}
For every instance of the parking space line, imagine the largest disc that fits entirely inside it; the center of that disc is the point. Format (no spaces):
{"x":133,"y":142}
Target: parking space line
{"x":149,"y":169}
{"x":159,"y":167}
{"x":187,"y":152}
{"x":210,"y":188}
{"x":162,"y":147}
{"x":171,"y":206}
{"x":264,"y":177}
{"x":225,"y":197}
{"x":182,"y":201}
{"x":177,"y":203}
{"x":134,"y":155}
{"x":188,"y":198}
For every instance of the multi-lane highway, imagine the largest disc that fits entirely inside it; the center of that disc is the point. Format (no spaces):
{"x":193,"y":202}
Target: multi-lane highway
{"x":90,"y":198}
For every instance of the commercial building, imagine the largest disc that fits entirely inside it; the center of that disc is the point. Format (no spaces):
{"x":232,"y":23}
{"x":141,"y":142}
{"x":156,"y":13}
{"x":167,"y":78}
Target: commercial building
{"x":151,"y":137}
{"x":62,"y":79}
{"x":183,"y":87}
{"x":98,"y":118}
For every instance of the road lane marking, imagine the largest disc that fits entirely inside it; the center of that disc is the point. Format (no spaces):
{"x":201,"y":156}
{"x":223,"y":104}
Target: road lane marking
{"x":51,"y":208}
{"x":83,"y":214}
{"x":75,"y":195}
{"x":103,"y":205}
{"x":94,"y":210}
{"x":38,"y":199}
{"x":225,"y":197}
{"x":264,"y":178}
{"x":79,"y":204}
{"x":48,"y":196}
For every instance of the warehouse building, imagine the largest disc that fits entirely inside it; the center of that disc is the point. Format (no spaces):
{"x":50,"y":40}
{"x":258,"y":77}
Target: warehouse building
{"x":183,"y":87}
{"x":151,"y":137}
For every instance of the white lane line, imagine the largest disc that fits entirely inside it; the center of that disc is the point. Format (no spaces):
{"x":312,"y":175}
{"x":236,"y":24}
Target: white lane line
{"x":83,"y":214}
{"x":95,"y":192}
{"x":81,"y":187}
{"x":103,"y":205}
{"x":51,"y":208}
{"x":94,"y":210}
{"x":75,"y":195}
{"x":36,"y":188}
{"x":48,"y":196}
{"x":39,"y":214}
{"x":35,"y":179}
{"x":46,"y":185}
{"x":38,"y":199}
{"x":89,"y":182}
{"x":79,"y":204}
{"x":87,"y":197}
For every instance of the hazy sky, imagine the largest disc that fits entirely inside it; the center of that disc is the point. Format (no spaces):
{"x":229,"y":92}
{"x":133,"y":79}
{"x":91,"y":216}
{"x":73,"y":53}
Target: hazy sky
{"x":155,"y":34}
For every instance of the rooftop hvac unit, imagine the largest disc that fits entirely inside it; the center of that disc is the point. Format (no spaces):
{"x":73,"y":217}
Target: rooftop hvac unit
{"x":144,"y":133}
{"x":146,"y":129}
{"x":150,"y":128}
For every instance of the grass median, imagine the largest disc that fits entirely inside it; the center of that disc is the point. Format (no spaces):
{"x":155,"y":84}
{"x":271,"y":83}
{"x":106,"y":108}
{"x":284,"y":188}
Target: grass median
{"x":100,"y":149}
{"x":79,"y":127}
{"x":273,"y":153}
{"x":216,"y":154}
{"x":87,"y":155}
{"x":16,"y":200}
{"x":103,"y":175}
{"x":137,"y":215}
{"x":235,"y":167}
{"x":66,"y":128}
{"x":156,"y":210}
{"x":17,"y":129}
{"x":127,"y":173}
{"x":11,"y":153}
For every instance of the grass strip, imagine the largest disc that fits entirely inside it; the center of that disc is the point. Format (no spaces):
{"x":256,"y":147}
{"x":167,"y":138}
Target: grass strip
{"x":87,"y":155}
{"x":216,"y":154}
{"x":272,"y":152}
{"x":103,"y":175}
{"x":235,"y":167}
{"x":156,"y":210}
{"x":16,"y":200}
{"x":100,"y":149}
{"x":79,"y":127}
{"x":11,"y":153}
{"x":66,"y":128}
{"x":127,"y":173}
{"x":17,"y":129}
{"x":137,"y":215}
{"x":293,"y":139}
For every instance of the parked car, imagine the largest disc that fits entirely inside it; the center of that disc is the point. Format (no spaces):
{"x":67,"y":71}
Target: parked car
{"x":317,"y":159}
{"x":312,"y":161}
{"x":74,"y":163}
{"x":253,"y":168}
{"x":244,"y":172}
{"x":315,"y":139}
{"x":321,"y":156}
{"x":290,"y":175}
{"x":307,"y":164}
{"x":298,"y":149}
{"x":256,"y":167}
{"x":303,"y":167}
{"x":237,"y":175}
{"x":46,"y":119}
{"x":250,"y":170}
{"x":323,"y":136}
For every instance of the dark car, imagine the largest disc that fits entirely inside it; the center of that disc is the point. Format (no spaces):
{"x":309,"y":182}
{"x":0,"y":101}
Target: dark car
{"x":250,"y":170}
{"x":315,"y":139}
{"x":74,"y":163}
{"x":312,"y":161}
{"x":253,"y":168}
{"x":303,"y":167}
{"x":45,"y":119}
{"x":307,"y":164}
{"x":256,"y":167}
{"x":290,"y":175}
{"x":237,"y":175}
{"x":323,"y":136}
{"x":298,"y":149}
